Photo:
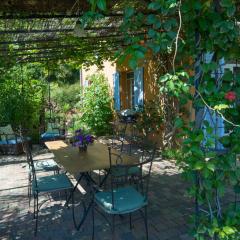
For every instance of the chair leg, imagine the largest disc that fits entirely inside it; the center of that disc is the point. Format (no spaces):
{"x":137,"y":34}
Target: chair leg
{"x":113,"y":227}
{"x":66,"y":194}
{"x":29,"y":189}
{"x":36,"y":216}
{"x":130,"y":148}
{"x":146,"y":221}
{"x":99,"y":177}
{"x":130,"y":221}
{"x":93,"y":222}
{"x":121,"y":146}
{"x":34,"y":206}
{"x":29,"y":196}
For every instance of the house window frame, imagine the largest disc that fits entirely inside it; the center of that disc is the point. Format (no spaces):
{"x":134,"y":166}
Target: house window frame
{"x":130,"y":77}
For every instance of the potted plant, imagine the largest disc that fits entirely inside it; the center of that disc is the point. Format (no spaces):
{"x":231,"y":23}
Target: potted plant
{"x":81,"y":140}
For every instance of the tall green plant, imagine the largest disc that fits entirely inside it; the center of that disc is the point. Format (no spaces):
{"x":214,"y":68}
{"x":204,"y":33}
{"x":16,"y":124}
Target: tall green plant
{"x":66,"y":97}
{"x":21,"y":93}
{"x":96,"y":105}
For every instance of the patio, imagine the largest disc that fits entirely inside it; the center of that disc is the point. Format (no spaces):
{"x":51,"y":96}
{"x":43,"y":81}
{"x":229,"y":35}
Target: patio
{"x":69,"y":70}
{"x":169,"y":207}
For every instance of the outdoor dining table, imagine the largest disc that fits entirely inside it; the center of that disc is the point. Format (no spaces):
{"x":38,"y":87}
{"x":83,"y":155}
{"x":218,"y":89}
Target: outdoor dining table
{"x":81,"y":164}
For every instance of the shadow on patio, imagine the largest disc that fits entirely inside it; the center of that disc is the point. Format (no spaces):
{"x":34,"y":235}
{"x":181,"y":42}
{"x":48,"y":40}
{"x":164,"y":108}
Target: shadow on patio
{"x":169,"y":209}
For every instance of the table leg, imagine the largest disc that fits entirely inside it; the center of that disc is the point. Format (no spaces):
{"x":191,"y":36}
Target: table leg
{"x":74,"y":189}
{"x":90,"y":181}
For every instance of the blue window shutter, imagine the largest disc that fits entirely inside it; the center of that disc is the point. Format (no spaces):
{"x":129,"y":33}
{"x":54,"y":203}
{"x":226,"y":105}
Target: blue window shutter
{"x":208,"y":57}
{"x":138,"y":88}
{"x":215,"y":120}
{"x":116,"y":89}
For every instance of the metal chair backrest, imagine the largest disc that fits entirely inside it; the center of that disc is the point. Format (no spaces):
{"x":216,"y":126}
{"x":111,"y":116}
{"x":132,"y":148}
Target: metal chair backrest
{"x":140,"y":179}
{"x":30,"y":162}
{"x":119,"y":129}
{"x":148,"y":151}
{"x":53,"y":123}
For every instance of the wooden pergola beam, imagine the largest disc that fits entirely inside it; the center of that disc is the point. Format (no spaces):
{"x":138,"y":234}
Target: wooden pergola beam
{"x":119,"y":35}
{"x":38,"y":48}
{"x":30,"y":41}
{"x":77,"y":49}
{"x":26,"y":16}
{"x":65,"y":30}
{"x":58,"y":57}
{"x":26,"y":31}
{"x":49,"y":47}
{"x":43,"y":6}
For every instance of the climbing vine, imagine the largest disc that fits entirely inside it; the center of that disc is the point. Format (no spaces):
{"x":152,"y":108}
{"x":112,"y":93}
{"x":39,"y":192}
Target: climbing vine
{"x":186,"y":32}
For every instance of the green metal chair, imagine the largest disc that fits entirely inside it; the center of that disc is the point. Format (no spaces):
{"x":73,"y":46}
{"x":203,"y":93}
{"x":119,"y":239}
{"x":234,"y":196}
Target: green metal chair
{"x":11,"y":141}
{"x":48,"y":165}
{"x":118,"y":136}
{"x":53,"y":130}
{"x":143,"y":145}
{"x":46,"y":184}
{"x":124,"y":196}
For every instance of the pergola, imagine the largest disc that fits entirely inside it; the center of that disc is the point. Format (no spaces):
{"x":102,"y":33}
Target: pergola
{"x":37,"y":31}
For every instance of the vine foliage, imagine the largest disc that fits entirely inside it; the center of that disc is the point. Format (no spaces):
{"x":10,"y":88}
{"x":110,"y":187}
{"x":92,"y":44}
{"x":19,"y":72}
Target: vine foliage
{"x":186,"y":31}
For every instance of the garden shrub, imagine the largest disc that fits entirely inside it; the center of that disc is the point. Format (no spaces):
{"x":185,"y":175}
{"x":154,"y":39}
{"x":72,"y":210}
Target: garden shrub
{"x":66,"y":97}
{"x":21,"y":93}
{"x":96,"y":105}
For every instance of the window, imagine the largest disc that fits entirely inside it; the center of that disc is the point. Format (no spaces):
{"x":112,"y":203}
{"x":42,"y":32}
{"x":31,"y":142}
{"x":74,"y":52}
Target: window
{"x":130,"y":89}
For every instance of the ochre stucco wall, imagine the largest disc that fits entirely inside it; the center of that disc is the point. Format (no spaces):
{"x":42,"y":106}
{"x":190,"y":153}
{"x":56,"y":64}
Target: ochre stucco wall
{"x":108,"y":70}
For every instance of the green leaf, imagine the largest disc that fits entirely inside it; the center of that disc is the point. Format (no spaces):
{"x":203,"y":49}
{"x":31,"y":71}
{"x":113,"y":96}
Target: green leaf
{"x":133,"y":63}
{"x":209,"y":66}
{"x":228,"y":230}
{"x":129,"y":11}
{"x":209,"y":130}
{"x":139,"y":54}
{"x":200,"y":137}
{"x":154,"y":6}
{"x":221,"y":107}
{"x":155,"y":47}
{"x":226,"y":3}
{"x":203,"y":23}
{"x":231,"y":11}
{"x":164,"y":78}
{"x":228,"y":76}
{"x":198,"y":165}
{"x":151,"y":33}
{"x":178,"y":123}
{"x":169,"y":24}
{"x":197,"y":5}
{"x":152,"y":19}
{"x":101,"y":4}
{"x":171,"y":34}
{"x":93,"y":5}
{"x":172,"y":3}
{"x":237,"y":188}
{"x":211,"y":166}
{"x":171,"y":85}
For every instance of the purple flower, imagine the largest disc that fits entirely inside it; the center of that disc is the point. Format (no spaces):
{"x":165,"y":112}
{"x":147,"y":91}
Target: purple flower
{"x":81,"y":139}
{"x":78,"y":131}
{"x":88,"y":138}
